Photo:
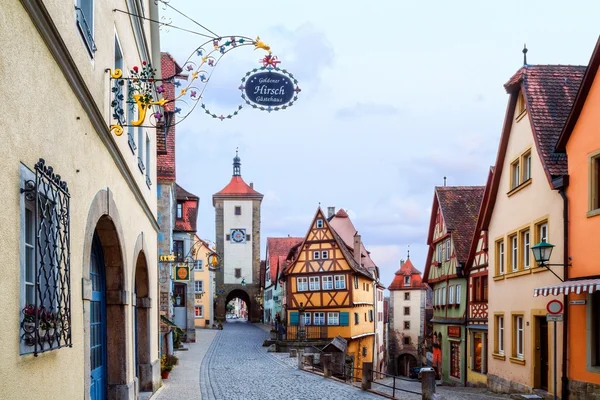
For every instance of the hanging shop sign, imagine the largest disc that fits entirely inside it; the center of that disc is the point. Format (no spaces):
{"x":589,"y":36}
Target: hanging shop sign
{"x":454,"y":331}
{"x":214,"y":261}
{"x":182,"y":272}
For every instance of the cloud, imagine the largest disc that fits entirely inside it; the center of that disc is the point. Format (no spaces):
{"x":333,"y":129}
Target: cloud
{"x":367,"y":110}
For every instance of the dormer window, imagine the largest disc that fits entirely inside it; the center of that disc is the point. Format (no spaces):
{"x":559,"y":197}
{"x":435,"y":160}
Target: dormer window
{"x":407,"y":280}
{"x":319,"y":223}
{"x":179,"y":210}
{"x":521,"y":106}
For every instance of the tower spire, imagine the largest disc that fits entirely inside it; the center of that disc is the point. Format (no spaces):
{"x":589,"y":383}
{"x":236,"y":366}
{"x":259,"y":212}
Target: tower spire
{"x":525,"y":54}
{"x":408,"y":251}
{"x":237,"y":163}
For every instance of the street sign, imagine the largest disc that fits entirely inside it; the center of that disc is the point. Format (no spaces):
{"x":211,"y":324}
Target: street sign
{"x":554,"y":307}
{"x":577,"y":302}
{"x":554,"y":317}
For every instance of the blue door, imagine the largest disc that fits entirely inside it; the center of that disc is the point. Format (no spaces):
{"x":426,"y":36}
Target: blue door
{"x":97,"y":323}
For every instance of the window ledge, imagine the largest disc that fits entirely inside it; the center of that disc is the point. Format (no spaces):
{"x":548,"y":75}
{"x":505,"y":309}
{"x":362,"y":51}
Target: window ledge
{"x":539,"y":269}
{"x":516,"y":360}
{"x":498,"y":356}
{"x":499,"y":277}
{"x":518,"y":273}
{"x":519,"y":188}
{"x":593,"y":213}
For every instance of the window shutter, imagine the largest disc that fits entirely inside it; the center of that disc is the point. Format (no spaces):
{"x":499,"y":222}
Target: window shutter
{"x":294,"y":318}
{"x":344,"y":318}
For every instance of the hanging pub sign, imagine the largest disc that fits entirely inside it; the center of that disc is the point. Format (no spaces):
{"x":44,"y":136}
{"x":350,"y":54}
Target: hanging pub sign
{"x":214,"y":261}
{"x":182,"y":272}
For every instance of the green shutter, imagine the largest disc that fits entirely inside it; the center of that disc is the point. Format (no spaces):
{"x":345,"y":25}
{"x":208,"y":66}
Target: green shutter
{"x":294,"y":318}
{"x":344,"y":319}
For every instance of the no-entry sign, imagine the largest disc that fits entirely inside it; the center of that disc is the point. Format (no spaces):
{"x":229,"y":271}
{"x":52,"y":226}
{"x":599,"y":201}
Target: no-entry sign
{"x":554,"y":307}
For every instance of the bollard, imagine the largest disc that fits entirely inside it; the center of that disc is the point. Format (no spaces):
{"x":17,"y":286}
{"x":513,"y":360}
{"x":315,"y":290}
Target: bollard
{"x":326,"y":360}
{"x":367,"y":375}
{"x":428,"y":385}
{"x":300,"y":359}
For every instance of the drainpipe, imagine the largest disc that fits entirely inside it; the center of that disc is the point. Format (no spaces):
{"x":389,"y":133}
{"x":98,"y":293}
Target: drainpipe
{"x":562,"y":190}
{"x":465,"y":357}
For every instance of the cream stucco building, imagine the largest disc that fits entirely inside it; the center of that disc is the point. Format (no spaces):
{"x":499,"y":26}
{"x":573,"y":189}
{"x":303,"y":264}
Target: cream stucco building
{"x":204,"y":290}
{"x":79,"y":287}
{"x":526,"y":207}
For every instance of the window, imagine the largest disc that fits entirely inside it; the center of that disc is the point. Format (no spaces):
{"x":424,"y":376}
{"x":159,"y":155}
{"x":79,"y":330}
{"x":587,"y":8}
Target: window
{"x":594,"y":323}
{"x":238,"y":210}
{"x":131,"y":116}
{"x":455,"y":359}
{"x":541,"y":232}
{"x":333,"y":318}
{"x":526,"y":161}
{"x":500,"y":257}
{"x":499,"y":342}
{"x":370,"y":315}
{"x":476,"y":294}
{"x":406,"y":310}
{"x":238,"y":273}
{"x":179,"y":210}
{"x":407,"y":280}
{"x":198,"y":265}
{"x":313,"y":283}
{"x":407,"y":296}
{"x":248,"y":237}
{"x":444,"y":298}
{"x":451,"y":295}
{"x":406,"y":340}
{"x":448,"y":250}
{"x":518,"y":336}
{"x":484,"y":284}
{"x":84,"y":11}
{"x":355,"y":281}
{"x":458,"y":293}
{"x":514,"y":252}
{"x":526,"y":249}
{"x":324,"y":255}
{"x":520,"y":104}
{"x":340,"y":281}
{"x":228,"y":237}
{"x":327,"y":282}
{"x":478,"y":351}
{"x":594,"y":182}
{"x":148,"y":180}
{"x":319,"y":223}
{"x":316,"y":255}
{"x":515,"y":174}
{"x":306,"y":318}
{"x":356,"y":319}
{"x":141,"y":149}
{"x":406,"y":324}
{"x":199,"y":311}
{"x":302,"y":284}
{"x":319,"y":318}
{"x":199,"y":286}
{"x":439,"y":252}
{"x":178,"y":249}
{"x":118,"y":98}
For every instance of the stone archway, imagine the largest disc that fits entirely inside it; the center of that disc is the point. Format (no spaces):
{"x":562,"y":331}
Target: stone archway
{"x":104,"y":222}
{"x":244,"y":296}
{"x":405,"y":363}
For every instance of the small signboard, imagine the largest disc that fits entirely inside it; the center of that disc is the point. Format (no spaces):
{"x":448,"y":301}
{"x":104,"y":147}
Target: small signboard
{"x":454,"y":331}
{"x":554,"y":317}
{"x":576,"y":302}
{"x":554,"y":307}
{"x":182,"y":272}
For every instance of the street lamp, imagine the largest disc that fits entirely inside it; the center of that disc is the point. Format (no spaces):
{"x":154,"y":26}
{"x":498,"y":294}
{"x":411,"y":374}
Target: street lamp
{"x":243,"y":281}
{"x":541,"y":253}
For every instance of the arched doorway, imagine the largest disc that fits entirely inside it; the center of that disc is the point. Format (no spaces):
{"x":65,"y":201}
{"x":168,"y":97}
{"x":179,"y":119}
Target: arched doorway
{"x":405,"y":363}
{"x":237,"y":306}
{"x":141,"y":325}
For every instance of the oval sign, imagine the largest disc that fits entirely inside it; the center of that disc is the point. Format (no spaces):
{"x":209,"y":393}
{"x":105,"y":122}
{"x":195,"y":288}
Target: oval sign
{"x":269,"y":89}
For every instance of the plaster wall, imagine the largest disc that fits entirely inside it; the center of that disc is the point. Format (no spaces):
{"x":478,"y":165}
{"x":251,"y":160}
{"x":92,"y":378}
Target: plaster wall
{"x":513,"y":293}
{"x":398,"y":304}
{"x":204,"y":275}
{"x":47,"y":121}
{"x":238,"y":255}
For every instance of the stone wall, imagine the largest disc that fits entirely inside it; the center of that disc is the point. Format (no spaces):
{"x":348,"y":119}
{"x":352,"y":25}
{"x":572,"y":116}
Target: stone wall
{"x":502,"y":385}
{"x":583,"y":390}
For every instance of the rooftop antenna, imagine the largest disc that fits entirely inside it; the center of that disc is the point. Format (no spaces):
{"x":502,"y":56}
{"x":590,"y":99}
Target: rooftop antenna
{"x":444,"y":181}
{"x":525,"y":54}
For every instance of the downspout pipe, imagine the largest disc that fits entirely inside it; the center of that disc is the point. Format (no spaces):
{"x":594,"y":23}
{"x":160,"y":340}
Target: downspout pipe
{"x":561,"y":184}
{"x":466,"y":323}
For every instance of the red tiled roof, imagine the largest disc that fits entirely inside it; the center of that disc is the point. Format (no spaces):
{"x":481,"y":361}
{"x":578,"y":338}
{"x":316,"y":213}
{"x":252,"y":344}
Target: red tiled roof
{"x":237,"y":188}
{"x":407,"y":269}
{"x":460,"y":208}
{"x":277,"y":251}
{"x":550,"y":91}
{"x":343,"y":225}
{"x":190,"y":211}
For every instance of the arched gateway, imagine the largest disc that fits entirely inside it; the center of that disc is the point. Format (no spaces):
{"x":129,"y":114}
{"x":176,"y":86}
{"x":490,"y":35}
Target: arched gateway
{"x":237,"y":222}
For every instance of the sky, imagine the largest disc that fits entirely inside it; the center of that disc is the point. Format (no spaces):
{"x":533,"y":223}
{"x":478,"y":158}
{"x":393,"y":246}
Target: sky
{"x":395,"y":96}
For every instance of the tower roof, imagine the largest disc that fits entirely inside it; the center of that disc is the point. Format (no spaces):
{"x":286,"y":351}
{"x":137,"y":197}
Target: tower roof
{"x":237,"y":188}
{"x":407,"y":269}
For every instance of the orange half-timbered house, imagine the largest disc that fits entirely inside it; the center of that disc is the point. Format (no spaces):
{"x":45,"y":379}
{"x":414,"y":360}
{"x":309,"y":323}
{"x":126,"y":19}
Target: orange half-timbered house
{"x":329,"y":293}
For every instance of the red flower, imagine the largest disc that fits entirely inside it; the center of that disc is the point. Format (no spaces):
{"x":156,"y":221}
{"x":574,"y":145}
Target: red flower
{"x":143,"y":62}
{"x":135,"y":68}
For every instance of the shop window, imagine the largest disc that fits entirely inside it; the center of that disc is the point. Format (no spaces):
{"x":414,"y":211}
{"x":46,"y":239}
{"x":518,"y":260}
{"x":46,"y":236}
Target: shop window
{"x":455,"y":359}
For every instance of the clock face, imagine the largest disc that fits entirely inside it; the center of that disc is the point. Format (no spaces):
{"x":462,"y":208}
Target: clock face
{"x":238,"y":235}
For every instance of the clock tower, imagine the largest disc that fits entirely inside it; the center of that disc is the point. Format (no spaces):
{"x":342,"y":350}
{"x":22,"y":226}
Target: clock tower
{"x":237,"y":224}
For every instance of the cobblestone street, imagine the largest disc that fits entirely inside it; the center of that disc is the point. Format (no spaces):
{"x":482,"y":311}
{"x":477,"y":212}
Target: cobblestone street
{"x":236,"y":366}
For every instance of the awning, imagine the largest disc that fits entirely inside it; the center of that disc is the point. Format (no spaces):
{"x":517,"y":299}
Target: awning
{"x":171,"y":323}
{"x":570,"y":286}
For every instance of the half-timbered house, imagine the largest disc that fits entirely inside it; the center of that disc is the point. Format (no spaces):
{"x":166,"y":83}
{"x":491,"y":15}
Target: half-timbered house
{"x":476,"y":270}
{"x":329,"y":292}
{"x":453,"y":218}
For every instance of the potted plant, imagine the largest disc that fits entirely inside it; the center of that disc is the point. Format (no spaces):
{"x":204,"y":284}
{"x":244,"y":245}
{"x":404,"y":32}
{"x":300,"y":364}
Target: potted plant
{"x":165,"y":367}
{"x":28,"y":323}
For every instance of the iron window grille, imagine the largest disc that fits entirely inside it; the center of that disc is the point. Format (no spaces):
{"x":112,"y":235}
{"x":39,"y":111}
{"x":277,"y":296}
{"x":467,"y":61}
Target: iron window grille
{"x":46,"y":323}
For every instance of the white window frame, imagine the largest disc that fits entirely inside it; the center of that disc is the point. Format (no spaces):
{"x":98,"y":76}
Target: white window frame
{"x":201,"y":308}
{"x":440,"y":252}
{"x":199,"y":265}
{"x":527,"y":168}
{"x":179,"y":210}
{"x":501,"y":255}
{"x":500,"y":333}
{"x":199,"y":286}
{"x":543,"y":228}
{"x":339,"y":278}
{"x":514,"y":249}
{"x":333,"y":318}
{"x":444,"y":299}
{"x":302,"y":284}
{"x":448,"y":249}
{"x":307,"y":318}
{"x":89,"y":43}
{"x":314,"y":283}
{"x":324,"y":254}
{"x":450,"y":295}
{"x":327,"y":283}
{"x":319,"y":318}
{"x":316,"y":255}
{"x":406,"y":280}
{"x":30,"y":267}
{"x":458,"y":293}
{"x":319,"y":223}
{"x":526,"y":249}
{"x":520,"y":336}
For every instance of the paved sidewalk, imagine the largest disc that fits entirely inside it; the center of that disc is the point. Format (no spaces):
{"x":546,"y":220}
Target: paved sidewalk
{"x":184,"y":380}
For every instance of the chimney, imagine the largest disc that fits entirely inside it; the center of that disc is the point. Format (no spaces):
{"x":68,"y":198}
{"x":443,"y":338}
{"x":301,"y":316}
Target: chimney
{"x":357,"y":249}
{"x":251,"y":185}
{"x":401,"y":262}
{"x":330,"y":212}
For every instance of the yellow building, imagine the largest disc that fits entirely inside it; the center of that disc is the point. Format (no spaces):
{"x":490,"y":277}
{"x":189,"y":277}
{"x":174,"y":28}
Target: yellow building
{"x":79,"y":228}
{"x":203,"y":287}
{"x":329,"y":293}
